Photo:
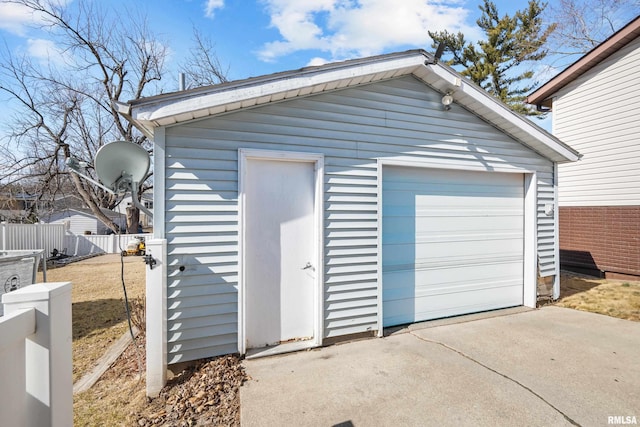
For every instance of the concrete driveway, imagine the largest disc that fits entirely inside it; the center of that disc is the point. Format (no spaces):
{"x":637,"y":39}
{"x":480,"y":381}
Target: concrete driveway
{"x":546,"y":367}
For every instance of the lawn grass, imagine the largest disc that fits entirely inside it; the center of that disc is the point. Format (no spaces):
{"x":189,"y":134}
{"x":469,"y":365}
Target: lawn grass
{"x":98,"y":320}
{"x":610,"y":297}
{"x":98,"y":310}
{"x":118,"y":397}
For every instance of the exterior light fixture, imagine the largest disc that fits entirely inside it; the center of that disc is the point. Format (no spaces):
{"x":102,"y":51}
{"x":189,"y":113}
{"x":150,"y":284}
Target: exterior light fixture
{"x":447,"y":100}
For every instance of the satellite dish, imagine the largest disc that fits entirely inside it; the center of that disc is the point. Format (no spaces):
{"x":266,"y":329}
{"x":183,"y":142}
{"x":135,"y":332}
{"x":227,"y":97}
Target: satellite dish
{"x":121,"y":164}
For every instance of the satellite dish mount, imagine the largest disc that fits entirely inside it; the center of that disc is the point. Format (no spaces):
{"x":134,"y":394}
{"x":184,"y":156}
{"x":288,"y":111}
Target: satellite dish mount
{"x":121,"y":167}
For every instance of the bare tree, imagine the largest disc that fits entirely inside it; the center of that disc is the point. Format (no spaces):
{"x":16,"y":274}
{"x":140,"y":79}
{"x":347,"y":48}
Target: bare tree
{"x":584,"y":24}
{"x":202,"y":67}
{"x":65,"y":107}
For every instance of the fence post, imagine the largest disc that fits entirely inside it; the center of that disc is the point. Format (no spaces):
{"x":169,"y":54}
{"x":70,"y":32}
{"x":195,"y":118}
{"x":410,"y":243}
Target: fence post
{"x":156,"y":317}
{"x":38,"y":243}
{"x":49,"y":384}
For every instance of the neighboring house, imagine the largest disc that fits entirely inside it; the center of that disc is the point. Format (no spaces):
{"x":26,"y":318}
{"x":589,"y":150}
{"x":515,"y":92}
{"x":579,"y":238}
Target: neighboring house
{"x":147,"y":202}
{"x":68,"y":201}
{"x":595,"y":110}
{"x":83,"y":221}
{"x":18,"y":207}
{"x":24,"y":207}
{"x":302,"y":207}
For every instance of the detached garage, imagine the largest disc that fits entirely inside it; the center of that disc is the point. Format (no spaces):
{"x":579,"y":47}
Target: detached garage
{"x":301,"y":207}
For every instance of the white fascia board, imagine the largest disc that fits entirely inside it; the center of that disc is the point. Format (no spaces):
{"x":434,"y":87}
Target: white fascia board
{"x":531,"y":134}
{"x":184,"y":104}
{"x":125,"y":111}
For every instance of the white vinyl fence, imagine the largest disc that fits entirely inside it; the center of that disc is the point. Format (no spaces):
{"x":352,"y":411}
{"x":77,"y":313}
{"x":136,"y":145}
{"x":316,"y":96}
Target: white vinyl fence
{"x":53,"y":236}
{"x":35,"y":357}
{"x":32,"y":236}
{"x":79,"y":244}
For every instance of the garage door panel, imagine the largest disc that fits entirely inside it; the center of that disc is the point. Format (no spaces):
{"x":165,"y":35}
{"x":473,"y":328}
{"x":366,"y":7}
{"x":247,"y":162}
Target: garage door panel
{"x":407,"y":310}
{"x":491,"y":218}
{"x":437,"y":177}
{"x":404,"y":236}
{"x":451,"y":276}
{"x":446,"y":252}
{"x":428,"y":290}
{"x":405,"y":202}
{"x":480,"y":188}
{"x":452,"y":242}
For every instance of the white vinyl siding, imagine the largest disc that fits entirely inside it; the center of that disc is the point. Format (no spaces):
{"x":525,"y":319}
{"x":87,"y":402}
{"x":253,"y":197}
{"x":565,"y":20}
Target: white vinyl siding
{"x":78,"y":223}
{"x":399,"y":119}
{"x":598,"y":116}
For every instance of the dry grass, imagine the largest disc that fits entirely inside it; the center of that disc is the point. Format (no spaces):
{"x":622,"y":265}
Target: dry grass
{"x":610,"y":297}
{"x":118,"y":397}
{"x":99,"y":319}
{"x":99,"y":316}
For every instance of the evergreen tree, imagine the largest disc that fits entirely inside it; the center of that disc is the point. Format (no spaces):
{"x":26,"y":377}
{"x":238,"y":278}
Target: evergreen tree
{"x":498,"y":63}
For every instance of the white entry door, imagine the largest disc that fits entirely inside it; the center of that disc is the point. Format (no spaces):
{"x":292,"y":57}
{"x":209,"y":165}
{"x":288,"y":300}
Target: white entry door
{"x":280,"y":250}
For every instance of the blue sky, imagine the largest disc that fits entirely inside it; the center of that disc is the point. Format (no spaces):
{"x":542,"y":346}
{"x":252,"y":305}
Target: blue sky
{"x":265,"y":36}
{"x":256,"y":37}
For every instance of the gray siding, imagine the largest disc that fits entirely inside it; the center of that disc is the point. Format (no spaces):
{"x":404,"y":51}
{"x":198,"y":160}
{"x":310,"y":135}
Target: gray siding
{"x":395,"y":119}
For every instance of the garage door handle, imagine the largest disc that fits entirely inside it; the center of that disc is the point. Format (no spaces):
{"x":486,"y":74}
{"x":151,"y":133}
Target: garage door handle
{"x":308,"y":266}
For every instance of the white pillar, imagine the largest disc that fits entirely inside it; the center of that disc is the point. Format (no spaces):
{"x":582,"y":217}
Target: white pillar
{"x":156,"y":317}
{"x":48,"y":360}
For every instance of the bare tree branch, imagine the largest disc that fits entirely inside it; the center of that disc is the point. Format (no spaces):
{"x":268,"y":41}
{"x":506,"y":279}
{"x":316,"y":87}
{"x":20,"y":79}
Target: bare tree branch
{"x":581,"y":25}
{"x":202,"y":67}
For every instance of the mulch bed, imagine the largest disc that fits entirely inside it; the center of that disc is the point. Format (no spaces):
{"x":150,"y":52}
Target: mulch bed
{"x":206,"y":393}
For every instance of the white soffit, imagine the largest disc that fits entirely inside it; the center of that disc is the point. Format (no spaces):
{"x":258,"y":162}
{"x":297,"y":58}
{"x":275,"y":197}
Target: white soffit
{"x":168,"y":109}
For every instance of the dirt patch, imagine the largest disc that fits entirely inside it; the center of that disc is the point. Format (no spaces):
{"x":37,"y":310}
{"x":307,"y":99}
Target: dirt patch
{"x":610,"y":297}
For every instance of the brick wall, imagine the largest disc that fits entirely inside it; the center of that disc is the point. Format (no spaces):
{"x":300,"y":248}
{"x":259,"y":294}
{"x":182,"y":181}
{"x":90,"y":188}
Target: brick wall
{"x":603,"y":239}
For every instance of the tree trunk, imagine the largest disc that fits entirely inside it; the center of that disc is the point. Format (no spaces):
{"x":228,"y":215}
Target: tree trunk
{"x":133,"y":219}
{"x":93,"y":206}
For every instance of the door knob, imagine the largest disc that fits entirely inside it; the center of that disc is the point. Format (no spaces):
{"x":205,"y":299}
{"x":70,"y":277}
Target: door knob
{"x":308,"y":266}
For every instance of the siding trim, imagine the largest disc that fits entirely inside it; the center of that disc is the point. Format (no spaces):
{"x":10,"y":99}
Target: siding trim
{"x":380,"y":319}
{"x":159,"y":184}
{"x":318,"y":160}
{"x":530,"y":297}
{"x":461,"y":167}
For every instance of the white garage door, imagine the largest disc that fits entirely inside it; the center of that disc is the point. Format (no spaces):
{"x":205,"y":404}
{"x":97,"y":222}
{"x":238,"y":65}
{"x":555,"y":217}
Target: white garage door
{"x":452,"y":242}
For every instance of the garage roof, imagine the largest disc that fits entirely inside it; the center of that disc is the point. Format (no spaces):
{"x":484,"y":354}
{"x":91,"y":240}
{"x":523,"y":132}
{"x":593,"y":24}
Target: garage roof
{"x":172,"y":108}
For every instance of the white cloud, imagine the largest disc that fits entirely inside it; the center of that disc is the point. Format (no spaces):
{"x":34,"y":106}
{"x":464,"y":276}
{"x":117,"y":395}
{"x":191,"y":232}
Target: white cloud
{"x":14,"y":18}
{"x":211,"y":6}
{"x":317,"y":61}
{"x":352,"y":28}
{"x":45,"y":51}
